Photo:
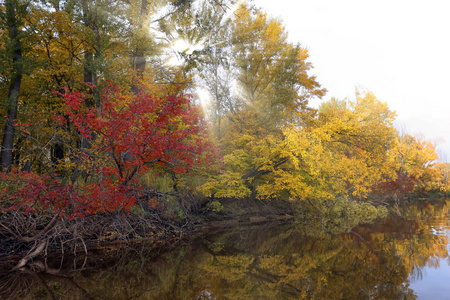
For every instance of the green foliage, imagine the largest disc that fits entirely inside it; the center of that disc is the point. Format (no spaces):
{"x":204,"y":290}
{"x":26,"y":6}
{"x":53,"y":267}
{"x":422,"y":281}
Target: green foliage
{"x":159,"y":181}
{"x":215,"y":206}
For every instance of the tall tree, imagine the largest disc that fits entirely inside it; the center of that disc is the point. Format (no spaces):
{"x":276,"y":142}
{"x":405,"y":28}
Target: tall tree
{"x":274,"y":88}
{"x":12,"y":19}
{"x":273,"y":73}
{"x":213,"y":63}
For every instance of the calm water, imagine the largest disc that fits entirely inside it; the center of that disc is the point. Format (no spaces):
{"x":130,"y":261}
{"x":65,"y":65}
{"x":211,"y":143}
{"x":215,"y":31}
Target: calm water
{"x":404,"y":256}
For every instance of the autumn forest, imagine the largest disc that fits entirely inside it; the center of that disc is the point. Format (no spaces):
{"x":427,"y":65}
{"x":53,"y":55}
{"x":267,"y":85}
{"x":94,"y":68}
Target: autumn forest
{"x":134,"y":118}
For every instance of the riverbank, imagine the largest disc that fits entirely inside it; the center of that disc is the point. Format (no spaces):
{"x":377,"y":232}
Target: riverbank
{"x":43,"y":236}
{"x":27,"y":237}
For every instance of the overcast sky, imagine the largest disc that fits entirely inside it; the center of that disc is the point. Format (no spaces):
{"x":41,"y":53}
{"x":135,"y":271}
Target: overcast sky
{"x":398,"y":49}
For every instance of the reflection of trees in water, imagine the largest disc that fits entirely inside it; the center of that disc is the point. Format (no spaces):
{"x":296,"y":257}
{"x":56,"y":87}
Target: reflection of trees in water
{"x":425,"y":242}
{"x":40,"y":284}
{"x":264,"y":262}
{"x":108,"y":273}
{"x":16,"y":286}
{"x":304,"y":267}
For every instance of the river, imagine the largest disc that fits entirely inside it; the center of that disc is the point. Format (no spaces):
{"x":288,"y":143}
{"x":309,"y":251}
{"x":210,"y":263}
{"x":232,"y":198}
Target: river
{"x":403,"y":256}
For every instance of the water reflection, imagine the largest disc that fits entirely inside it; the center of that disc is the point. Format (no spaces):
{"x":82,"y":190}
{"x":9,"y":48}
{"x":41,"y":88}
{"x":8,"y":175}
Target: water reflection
{"x":384,"y":260}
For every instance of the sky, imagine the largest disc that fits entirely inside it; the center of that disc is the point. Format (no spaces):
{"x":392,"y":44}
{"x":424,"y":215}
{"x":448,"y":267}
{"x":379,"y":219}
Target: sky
{"x":397,"y":49}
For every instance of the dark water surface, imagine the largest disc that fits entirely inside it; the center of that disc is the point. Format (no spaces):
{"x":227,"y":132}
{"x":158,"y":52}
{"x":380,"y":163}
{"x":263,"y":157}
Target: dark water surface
{"x":404,"y":256}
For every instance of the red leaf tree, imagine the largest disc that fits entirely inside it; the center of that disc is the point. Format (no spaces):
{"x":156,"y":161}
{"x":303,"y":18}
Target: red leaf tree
{"x":137,"y":132}
{"x":128,"y":134}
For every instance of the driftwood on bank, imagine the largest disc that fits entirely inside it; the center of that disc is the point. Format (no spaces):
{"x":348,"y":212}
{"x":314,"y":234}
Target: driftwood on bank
{"x":31,"y":235}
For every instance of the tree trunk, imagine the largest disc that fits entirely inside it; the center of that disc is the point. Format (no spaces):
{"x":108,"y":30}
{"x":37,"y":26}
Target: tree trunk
{"x":14,"y":88}
{"x":90,"y":69}
{"x":139,"y":55}
{"x":92,"y":99}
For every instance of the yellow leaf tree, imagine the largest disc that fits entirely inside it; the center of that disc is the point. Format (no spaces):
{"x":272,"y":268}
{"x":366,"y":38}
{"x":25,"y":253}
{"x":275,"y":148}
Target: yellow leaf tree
{"x":416,"y":165}
{"x":343,"y":153}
